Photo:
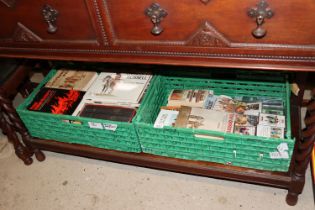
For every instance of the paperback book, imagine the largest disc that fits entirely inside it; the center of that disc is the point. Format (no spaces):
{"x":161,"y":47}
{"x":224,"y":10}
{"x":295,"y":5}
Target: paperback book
{"x":56,"y":101}
{"x":72,"y":79}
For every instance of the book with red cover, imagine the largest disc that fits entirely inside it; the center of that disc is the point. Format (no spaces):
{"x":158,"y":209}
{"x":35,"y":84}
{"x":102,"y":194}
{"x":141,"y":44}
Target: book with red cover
{"x":56,"y":101}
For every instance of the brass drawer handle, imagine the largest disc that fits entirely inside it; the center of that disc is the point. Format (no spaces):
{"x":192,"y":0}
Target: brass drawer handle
{"x":50,"y":16}
{"x":261,"y":12}
{"x":156,"y":13}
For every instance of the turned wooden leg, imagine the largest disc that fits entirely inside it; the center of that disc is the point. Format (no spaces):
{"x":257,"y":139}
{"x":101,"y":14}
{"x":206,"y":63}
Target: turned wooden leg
{"x":302,"y":156}
{"x":20,"y":150}
{"x":18,"y":126}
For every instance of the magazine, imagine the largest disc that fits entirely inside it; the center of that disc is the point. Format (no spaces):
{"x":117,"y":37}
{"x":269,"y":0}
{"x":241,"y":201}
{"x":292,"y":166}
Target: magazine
{"x":56,"y":101}
{"x":210,"y":120}
{"x":116,"y":88}
{"x":270,"y":131}
{"x":192,"y":98}
{"x":72,"y":79}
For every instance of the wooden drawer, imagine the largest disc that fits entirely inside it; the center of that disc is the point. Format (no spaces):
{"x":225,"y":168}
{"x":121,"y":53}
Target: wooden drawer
{"x":212,"y":23}
{"x":24,"y":23}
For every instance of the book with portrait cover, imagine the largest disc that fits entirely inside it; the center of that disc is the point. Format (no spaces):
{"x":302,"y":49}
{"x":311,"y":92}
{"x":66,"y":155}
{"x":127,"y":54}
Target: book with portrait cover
{"x":56,"y":101}
{"x":118,"y":88}
{"x":72,"y":79}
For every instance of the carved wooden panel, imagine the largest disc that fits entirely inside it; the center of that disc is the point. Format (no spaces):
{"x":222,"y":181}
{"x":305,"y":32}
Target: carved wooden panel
{"x":205,"y":1}
{"x":8,"y":3}
{"x":208,"y":36}
{"x":23,"y":34}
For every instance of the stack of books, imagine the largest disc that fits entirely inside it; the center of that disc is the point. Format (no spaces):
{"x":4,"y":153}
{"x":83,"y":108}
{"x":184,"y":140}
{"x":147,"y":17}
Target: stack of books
{"x":202,"y":109}
{"x":109,"y":96}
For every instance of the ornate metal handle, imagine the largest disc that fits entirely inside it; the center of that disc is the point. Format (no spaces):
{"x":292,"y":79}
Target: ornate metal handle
{"x":156,"y":13}
{"x":260,"y":13}
{"x":50,"y":16}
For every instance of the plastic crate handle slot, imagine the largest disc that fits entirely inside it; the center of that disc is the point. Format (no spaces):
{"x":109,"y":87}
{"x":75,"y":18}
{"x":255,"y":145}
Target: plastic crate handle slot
{"x":211,"y":137}
{"x":73,"y":122}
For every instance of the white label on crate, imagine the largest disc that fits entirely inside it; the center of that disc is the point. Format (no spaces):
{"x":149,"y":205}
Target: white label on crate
{"x":111,"y":127}
{"x":279,"y":155}
{"x":282,"y":147}
{"x":95,"y":125}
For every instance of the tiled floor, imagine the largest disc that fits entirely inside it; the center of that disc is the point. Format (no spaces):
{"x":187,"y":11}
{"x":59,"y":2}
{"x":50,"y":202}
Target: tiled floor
{"x":75,"y":183}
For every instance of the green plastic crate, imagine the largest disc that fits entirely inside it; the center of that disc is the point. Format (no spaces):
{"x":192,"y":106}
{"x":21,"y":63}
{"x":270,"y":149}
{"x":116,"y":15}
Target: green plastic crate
{"x":56,"y":127}
{"x":234,"y":149}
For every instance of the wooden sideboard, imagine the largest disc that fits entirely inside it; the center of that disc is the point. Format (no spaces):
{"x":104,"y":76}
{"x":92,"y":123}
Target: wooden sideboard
{"x":249,"y":34}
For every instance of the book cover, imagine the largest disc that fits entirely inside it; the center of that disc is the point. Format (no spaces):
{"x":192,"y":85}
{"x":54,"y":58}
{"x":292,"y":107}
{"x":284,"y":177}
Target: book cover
{"x":210,"y":101}
{"x":272,"y":120}
{"x":72,"y":79}
{"x":56,"y":101}
{"x":270,"y":131}
{"x":208,"y":119}
{"x":165,"y":118}
{"x":224,"y":103}
{"x":248,"y":108}
{"x":183,"y":116}
{"x":192,"y":98}
{"x":245,"y":130}
{"x":114,"y":113}
{"x":246,"y":120}
{"x":118,"y":88}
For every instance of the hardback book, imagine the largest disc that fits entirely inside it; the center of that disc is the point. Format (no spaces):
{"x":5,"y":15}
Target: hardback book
{"x":118,"y":88}
{"x":165,"y":118}
{"x":245,"y":130}
{"x":270,"y":131}
{"x":192,"y":98}
{"x":224,"y":103}
{"x":208,"y":119}
{"x":272,"y":120}
{"x":113,"y":113}
{"x":56,"y":101}
{"x":72,"y":79}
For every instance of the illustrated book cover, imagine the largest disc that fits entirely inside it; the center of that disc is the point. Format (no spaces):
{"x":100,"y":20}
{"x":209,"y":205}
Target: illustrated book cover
{"x":165,"y":118}
{"x":270,"y":131}
{"x":272,"y":120}
{"x":210,"y":120}
{"x":192,"y":98}
{"x":113,"y":88}
{"x":72,"y":79}
{"x":224,"y":103}
{"x":56,"y":101}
